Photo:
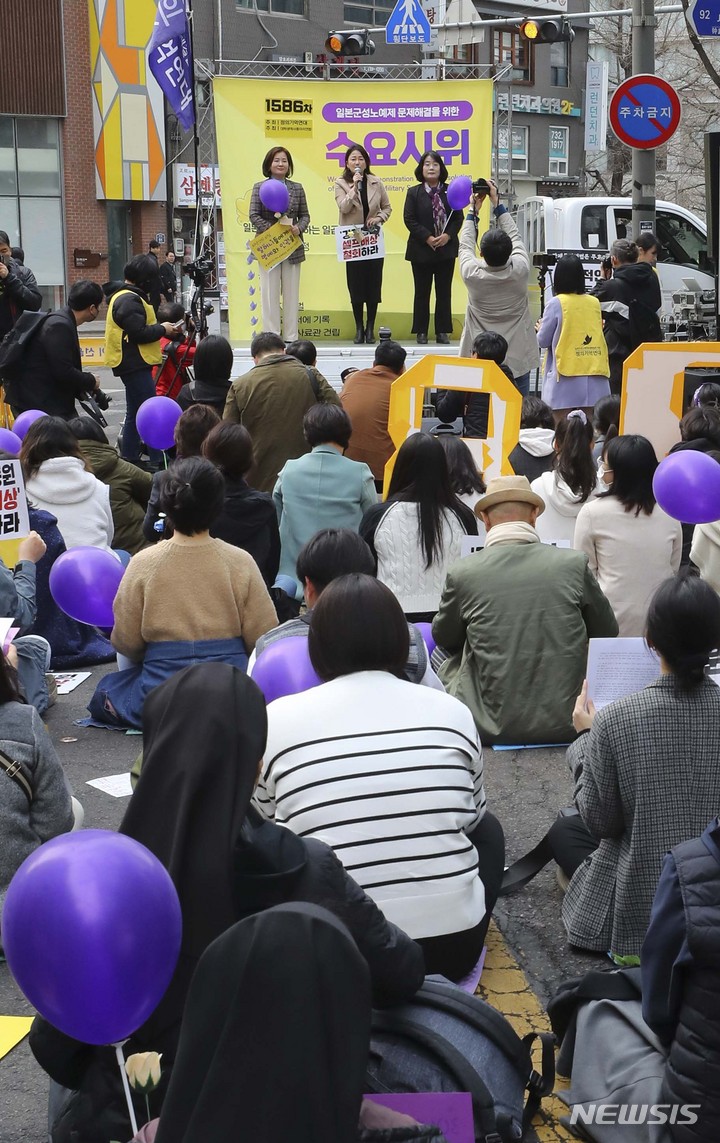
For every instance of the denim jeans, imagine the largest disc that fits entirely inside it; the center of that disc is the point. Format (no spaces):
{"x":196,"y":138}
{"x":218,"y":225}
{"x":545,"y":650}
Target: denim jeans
{"x":139,"y":386}
{"x":522,"y":383}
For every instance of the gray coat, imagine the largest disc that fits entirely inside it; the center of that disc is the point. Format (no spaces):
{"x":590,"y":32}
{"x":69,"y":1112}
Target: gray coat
{"x":24,"y":827}
{"x":498,"y":298}
{"x":647,"y":777}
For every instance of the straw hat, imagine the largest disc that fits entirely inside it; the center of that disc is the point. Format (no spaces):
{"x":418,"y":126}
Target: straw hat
{"x":504,"y":489}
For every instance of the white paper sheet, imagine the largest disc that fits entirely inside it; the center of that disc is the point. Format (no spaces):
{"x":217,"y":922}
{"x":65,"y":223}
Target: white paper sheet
{"x":619,"y":667}
{"x":68,"y":680}
{"x":117,"y":785}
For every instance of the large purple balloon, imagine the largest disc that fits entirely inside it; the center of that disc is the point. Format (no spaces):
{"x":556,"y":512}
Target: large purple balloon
{"x":425,"y":630}
{"x":10,"y":442}
{"x":687,"y":487}
{"x":459,"y":191}
{"x":91,"y":929}
{"x":84,"y":583}
{"x":156,"y":420}
{"x":275,"y":195}
{"x":285,"y":669}
{"x":24,"y":421}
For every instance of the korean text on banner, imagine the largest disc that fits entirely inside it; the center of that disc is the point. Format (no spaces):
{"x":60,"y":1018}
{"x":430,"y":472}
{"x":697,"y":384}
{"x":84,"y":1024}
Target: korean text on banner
{"x":170,"y":59}
{"x":356,"y":245}
{"x":14,"y":519}
{"x":274,"y":245}
{"x":396,"y":122}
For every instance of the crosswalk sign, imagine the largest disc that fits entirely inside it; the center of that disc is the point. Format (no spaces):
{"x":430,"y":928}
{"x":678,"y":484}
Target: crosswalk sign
{"x":408,"y":24}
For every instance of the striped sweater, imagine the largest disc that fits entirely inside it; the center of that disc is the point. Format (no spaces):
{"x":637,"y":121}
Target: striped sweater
{"x":389,"y":775}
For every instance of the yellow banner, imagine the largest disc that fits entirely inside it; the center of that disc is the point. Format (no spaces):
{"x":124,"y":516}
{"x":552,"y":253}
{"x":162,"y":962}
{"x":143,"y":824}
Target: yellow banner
{"x":274,"y":245}
{"x":318,"y":121}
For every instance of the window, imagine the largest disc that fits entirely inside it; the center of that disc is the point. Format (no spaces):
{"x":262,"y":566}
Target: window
{"x":560,"y":64}
{"x":274,"y":7}
{"x":519,"y":149}
{"x":558,"y":152}
{"x":681,"y":242}
{"x":31,"y":197}
{"x":593,"y":228}
{"x":371,"y":14}
{"x":510,"y":47}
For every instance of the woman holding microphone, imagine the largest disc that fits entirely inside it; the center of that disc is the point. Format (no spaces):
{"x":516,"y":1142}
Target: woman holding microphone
{"x":284,"y":277}
{"x":362,"y":201}
{"x":432,"y":246}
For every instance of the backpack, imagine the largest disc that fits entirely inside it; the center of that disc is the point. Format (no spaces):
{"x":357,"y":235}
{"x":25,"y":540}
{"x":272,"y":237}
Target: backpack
{"x":15,"y":342}
{"x":598,"y":984}
{"x":446,"y":1040}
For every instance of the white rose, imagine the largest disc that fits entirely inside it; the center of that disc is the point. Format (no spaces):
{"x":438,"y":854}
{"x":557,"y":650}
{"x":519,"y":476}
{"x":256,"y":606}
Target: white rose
{"x":143,"y":1071}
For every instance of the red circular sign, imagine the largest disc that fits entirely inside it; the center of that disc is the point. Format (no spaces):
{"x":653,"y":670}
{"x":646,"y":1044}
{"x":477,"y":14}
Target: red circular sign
{"x":645,"y":112}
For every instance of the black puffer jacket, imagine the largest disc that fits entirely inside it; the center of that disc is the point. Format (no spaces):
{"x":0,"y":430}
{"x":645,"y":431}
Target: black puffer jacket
{"x":18,"y":292}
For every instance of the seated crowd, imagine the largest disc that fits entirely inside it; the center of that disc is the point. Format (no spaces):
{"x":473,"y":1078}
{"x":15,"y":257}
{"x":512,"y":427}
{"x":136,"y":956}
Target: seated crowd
{"x":350,"y":821}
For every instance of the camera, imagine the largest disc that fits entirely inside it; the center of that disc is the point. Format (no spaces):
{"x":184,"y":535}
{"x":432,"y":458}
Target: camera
{"x":198,"y":271}
{"x":544,"y":261}
{"x":480,"y":186}
{"x":101,"y":399}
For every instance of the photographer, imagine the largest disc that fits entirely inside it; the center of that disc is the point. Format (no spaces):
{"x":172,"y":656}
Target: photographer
{"x":18,"y":288}
{"x":497,"y":286}
{"x":51,"y":377}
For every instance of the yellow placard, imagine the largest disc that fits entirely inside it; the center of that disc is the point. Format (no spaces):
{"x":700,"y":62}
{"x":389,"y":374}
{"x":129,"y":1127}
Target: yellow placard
{"x":92,"y":350}
{"x":468,"y":375}
{"x":653,"y":384}
{"x":274,"y":245}
{"x":396,"y":122}
{"x":13,"y":1029}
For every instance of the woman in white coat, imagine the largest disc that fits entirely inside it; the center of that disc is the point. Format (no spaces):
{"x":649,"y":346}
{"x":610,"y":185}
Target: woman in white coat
{"x":363,"y":202}
{"x":58,"y":480}
{"x":572,"y":481}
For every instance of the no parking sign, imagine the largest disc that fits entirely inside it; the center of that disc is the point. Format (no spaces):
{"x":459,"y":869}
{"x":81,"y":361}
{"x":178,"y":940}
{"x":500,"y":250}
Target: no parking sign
{"x":645,"y":112}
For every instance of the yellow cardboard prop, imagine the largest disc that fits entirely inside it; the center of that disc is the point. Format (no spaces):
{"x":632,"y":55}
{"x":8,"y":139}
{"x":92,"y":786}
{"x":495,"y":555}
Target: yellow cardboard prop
{"x":274,"y":245}
{"x":13,"y":1029}
{"x":652,"y":394}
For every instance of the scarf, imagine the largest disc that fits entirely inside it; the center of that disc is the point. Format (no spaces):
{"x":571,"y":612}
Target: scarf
{"x":514,"y":532}
{"x":438,"y":209}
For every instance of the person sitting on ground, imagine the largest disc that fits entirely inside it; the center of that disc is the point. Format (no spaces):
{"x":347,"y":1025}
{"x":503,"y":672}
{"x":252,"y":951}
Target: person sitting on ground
{"x":212,"y":366}
{"x":707,"y":396}
{"x":29,"y":652}
{"x":700,"y":430}
{"x":465,"y":480}
{"x":535,"y":451}
{"x":36,"y":801}
{"x":190,"y":432}
{"x":129,"y":486}
{"x":178,"y":352}
{"x":277,"y":382}
{"x":330,"y":553}
{"x":474,"y":408}
{"x":394,"y":784}
{"x":248,"y":519}
{"x":161,"y":631}
{"x":573,"y":481}
{"x":516,"y":662}
{"x":647,"y":776}
{"x":630,"y":543}
{"x":59,"y":480}
{"x":323,"y":488}
{"x":205,"y":836}
{"x":605,"y":418}
{"x":365,"y":398}
{"x":416,"y":533}
{"x":705,"y":547}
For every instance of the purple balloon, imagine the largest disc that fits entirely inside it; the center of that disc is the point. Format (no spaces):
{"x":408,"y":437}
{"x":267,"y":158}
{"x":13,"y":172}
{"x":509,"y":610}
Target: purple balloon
{"x":156,"y":420}
{"x":459,"y":191}
{"x":24,"y":421}
{"x":275,"y":195}
{"x":285,"y":669}
{"x":10,"y":442}
{"x":84,"y":583}
{"x":425,"y":630}
{"x":687,"y":487}
{"x":91,"y":929}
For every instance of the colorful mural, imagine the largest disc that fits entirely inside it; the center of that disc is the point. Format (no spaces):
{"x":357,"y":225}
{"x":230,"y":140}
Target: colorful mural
{"x":128,"y":109}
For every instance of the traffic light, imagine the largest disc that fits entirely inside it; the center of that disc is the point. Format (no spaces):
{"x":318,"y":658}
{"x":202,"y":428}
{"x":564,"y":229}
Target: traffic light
{"x":547,"y":31}
{"x":356,"y":43}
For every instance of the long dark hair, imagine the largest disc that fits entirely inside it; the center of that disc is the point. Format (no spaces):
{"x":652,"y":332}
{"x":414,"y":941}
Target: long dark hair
{"x":569,"y":276}
{"x":574,"y":460}
{"x":632,"y":460}
{"x":421,"y":477}
{"x":462,"y":470}
{"x":9,"y":686}
{"x":347,"y":173}
{"x":683,"y":625}
{"x":47,"y":438}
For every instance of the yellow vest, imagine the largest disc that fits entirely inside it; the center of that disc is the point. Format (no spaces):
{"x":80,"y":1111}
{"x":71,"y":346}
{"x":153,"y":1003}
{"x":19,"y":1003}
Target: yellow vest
{"x":581,"y":348}
{"x":150,"y":351}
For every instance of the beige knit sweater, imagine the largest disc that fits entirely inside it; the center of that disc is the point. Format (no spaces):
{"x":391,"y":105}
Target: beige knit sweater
{"x":189,"y":592}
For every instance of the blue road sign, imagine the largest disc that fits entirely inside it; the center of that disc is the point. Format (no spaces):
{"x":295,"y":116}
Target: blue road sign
{"x":644,"y":111}
{"x":704,"y":16}
{"x":408,"y":24}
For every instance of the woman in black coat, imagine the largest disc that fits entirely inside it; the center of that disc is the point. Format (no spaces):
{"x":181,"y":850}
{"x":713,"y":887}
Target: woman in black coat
{"x":432,"y":246}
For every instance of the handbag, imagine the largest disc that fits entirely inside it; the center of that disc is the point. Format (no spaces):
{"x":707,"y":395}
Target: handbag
{"x":15,"y":771}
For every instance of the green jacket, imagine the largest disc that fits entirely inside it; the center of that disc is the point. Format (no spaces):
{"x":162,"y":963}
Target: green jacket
{"x":271,"y":401}
{"x":129,"y":493}
{"x":516,"y":619}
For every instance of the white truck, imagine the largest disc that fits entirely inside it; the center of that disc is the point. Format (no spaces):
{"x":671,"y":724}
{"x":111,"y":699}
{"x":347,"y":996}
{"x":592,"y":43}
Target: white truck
{"x":589,"y":226}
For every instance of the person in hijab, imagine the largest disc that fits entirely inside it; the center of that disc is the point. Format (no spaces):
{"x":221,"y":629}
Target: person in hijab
{"x":204,"y":732}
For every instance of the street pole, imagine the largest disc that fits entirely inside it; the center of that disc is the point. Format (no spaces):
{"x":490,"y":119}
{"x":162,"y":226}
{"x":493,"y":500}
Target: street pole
{"x":643,"y":162}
